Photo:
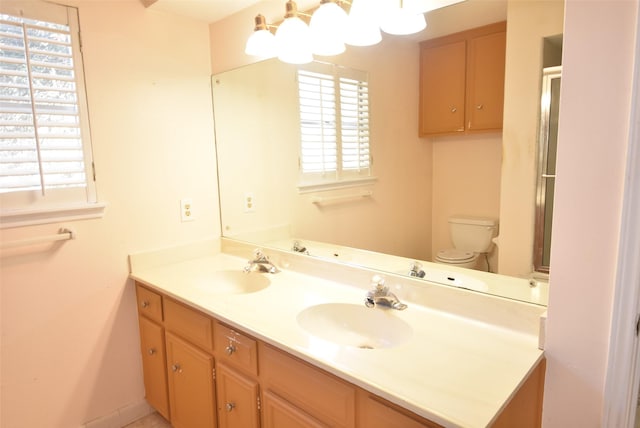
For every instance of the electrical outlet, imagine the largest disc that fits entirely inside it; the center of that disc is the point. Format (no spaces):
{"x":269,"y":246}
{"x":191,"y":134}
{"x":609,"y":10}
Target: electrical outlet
{"x":186,"y":209}
{"x":249,"y":203}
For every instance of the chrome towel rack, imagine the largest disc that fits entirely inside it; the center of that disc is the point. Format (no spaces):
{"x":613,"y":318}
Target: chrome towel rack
{"x":63,"y":234}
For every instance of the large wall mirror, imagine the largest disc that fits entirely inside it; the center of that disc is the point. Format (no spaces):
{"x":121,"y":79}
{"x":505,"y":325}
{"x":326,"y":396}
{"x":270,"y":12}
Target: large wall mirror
{"x":401,"y":215}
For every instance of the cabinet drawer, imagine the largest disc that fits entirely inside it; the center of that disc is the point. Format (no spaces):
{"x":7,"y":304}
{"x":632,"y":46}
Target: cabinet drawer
{"x":374,"y":412}
{"x":323,"y":396}
{"x":236,"y":349}
{"x":149,"y":303}
{"x":194,"y":326}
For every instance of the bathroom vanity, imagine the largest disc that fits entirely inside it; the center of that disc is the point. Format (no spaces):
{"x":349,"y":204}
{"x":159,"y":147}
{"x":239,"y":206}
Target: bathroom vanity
{"x":299,"y":349}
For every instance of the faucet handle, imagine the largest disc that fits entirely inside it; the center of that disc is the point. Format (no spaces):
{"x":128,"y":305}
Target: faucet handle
{"x":258,"y":254}
{"x":378,"y":282}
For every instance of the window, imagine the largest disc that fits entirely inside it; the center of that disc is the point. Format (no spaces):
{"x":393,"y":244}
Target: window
{"x":45,"y":150}
{"x":334,"y":127}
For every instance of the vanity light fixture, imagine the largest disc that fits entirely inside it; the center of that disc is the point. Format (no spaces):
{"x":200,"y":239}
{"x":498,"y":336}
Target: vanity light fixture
{"x":262,"y":41}
{"x":331,"y":27}
{"x":293,"y":38}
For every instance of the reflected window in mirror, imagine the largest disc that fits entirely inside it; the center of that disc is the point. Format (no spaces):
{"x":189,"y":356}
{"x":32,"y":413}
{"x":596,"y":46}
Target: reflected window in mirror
{"x":334,"y":125}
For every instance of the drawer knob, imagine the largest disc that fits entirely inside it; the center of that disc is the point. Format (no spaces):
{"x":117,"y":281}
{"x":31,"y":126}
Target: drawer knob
{"x":152,"y":351}
{"x":176,"y":368}
{"x":230,"y":406}
{"x":145,"y":303}
{"x":479,"y":107}
{"x":454,"y":109}
{"x":230,"y":349}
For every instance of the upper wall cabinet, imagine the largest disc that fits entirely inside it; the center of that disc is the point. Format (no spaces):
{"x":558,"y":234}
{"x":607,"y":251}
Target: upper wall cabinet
{"x":462,"y":81}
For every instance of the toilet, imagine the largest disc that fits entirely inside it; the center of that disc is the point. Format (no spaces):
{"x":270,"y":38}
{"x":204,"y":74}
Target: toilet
{"x":471,"y":237}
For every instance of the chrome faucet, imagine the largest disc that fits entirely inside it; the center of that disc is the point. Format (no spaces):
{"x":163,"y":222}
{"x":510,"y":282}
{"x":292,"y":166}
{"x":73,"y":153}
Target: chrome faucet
{"x":299,"y":248}
{"x":380,"y":295}
{"x":415,"y":270}
{"x":260,"y":263}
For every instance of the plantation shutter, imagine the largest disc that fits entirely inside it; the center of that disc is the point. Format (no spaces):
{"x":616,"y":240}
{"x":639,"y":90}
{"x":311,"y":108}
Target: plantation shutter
{"x":44,"y":138}
{"x":354,"y":114}
{"x":334,"y":124}
{"x":318,"y":123}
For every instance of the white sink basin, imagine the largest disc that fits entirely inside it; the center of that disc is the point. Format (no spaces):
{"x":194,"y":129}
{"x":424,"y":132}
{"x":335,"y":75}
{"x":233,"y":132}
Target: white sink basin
{"x":355,"y":325}
{"x":233,"y":282}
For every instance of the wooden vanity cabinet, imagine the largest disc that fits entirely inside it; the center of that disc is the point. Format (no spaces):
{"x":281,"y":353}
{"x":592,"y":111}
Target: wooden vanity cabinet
{"x":255,"y":385}
{"x":152,"y":349}
{"x":462,"y":81}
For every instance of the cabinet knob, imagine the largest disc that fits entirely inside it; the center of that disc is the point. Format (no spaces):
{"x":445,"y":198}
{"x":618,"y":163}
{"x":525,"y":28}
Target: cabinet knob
{"x":454,"y":109}
{"x":145,"y":303}
{"x":479,"y":107}
{"x":230,"y":406}
{"x":230,"y":349}
{"x":176,"y":368}
{"x":152,"y":351}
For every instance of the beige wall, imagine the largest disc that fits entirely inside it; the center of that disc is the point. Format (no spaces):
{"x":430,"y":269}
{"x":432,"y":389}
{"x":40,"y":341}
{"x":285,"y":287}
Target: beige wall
{"x":70,"y":346}
{"x":528,"y":23}
{"x":593,"y":138}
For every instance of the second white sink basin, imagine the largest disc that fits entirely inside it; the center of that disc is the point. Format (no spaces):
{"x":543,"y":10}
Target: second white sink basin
{"x":234,"y":282}
{"x":355,"y":325}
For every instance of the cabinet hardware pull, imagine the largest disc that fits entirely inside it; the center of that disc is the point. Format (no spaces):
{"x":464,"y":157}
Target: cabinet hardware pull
{"x":176,"y":368}
{"x":230,"y":406}
{"x":152,"y":351}
{"x":479,"y":107}
{"x":230,"y":349}
{"x":454,"y":109}
{"x":145,"y":304}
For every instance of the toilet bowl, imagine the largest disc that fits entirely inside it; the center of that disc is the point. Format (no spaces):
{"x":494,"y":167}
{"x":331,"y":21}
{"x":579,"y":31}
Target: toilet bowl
{"x":471,"y":237}
{"x":459,"y":258}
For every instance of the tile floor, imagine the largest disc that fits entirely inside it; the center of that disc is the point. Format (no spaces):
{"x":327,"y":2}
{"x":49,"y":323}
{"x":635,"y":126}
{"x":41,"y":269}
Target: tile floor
{"x":154,"y":420}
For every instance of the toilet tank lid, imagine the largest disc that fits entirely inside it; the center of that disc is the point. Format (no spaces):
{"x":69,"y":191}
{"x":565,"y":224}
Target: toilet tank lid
{"x":481,"y":221}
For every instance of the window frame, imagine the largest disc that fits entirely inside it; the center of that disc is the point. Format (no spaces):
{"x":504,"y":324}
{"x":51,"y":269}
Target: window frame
{"x":29,"y":207}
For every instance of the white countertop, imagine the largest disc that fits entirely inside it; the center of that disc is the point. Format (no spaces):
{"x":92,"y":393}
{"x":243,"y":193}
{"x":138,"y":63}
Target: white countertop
{"x":455,"y":371}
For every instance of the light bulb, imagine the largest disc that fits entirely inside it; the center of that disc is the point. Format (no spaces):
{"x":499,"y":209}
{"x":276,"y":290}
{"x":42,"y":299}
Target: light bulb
{"x":401,"y":21}
{"x":327,"y":26}
{"x":261,"y":42}
{"x":363,"y":27}
{"x":293,"y":38}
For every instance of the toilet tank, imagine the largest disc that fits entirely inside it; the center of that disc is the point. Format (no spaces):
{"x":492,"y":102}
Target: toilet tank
{"x":473,"y":233}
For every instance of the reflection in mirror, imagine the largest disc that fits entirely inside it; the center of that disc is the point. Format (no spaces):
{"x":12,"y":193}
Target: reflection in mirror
{"x":388,"y":223}
{"x":548,"y":143}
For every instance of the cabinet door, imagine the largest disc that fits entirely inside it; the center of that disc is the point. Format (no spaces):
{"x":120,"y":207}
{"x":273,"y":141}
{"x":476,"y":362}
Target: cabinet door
{"x":442,"y":88}
{"x":279,"y":413}
{"x":154,"y":367}
{"x":191,"y":389}
{"x":237,"y":399}
{"x":485,"y":82}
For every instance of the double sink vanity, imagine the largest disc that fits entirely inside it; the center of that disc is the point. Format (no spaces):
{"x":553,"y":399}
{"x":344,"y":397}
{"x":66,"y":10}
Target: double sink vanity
{"x":313,"y":345}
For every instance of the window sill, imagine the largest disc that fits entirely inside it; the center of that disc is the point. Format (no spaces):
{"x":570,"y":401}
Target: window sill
{"x":335,"y":185}
{"x":19,"y":218}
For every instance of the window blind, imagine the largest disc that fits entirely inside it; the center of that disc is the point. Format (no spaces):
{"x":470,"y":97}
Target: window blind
{"x":41,"y":141}
{"x":334,"y":124}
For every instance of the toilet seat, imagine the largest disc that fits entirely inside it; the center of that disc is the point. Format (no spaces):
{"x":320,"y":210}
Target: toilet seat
{"x":455,"y":256}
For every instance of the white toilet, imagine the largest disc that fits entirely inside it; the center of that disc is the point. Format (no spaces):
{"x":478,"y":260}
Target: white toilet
{"x":471,"y":236}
